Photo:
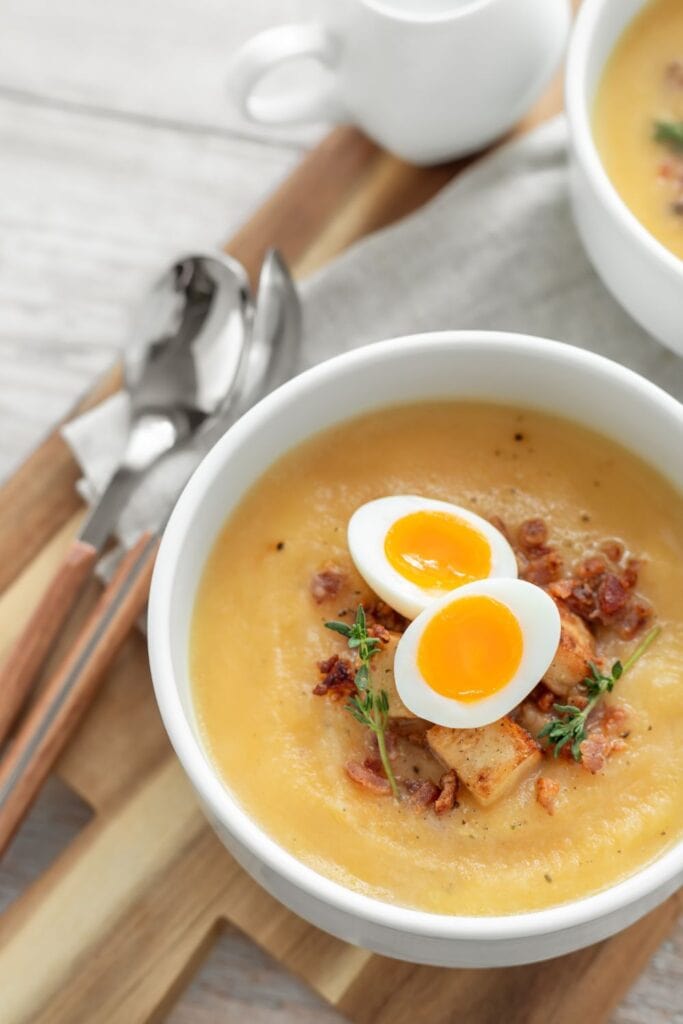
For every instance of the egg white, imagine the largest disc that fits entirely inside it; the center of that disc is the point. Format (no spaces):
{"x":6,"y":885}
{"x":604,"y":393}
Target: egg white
{"x":367,"y":531}
{"x":539,"y":621}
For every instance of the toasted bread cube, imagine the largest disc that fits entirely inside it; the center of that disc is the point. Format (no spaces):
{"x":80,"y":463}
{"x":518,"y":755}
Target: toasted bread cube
{"x":490,"y":760}
{"x":576,"y":649}
{"x":383,"y":675}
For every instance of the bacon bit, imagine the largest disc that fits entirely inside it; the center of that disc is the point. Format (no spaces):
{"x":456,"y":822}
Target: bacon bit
{"x":422,"y":792}
{"x":547,"y":791}
{"x":582,"y":600}
{"x":545,"y":700}
{"x":595,"y":750}
{"x":615,"y":720}
{"x":561,"y":590}
{"x":634,"y":618}
{"x":380,"y":613}
{"x":577,"y":695}
{"x":598,"y":594}
{"x":614,"y":550}
{"x":544,"y":569}
{"x":368,"y":778}
{"x":673,"y":74}
{"x":338,"y":678}
{"x":591,"y":568}
{"x":629,"y":574}
{"x":532,"y":536}
{"x":446,"y":799}
{"x":380,"y":632}
{"x":327,"y":582}
{"x":612,"y":595}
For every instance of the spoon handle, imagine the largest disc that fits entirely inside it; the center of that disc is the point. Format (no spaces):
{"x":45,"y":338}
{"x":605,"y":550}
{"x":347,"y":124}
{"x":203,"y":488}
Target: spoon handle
{"x":30,"y":648}
{"x":68,"y":693}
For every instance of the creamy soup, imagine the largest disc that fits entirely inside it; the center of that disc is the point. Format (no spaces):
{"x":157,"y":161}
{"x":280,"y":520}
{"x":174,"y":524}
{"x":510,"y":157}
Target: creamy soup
{"x":259,"y":633}
{"x":638,"y":120}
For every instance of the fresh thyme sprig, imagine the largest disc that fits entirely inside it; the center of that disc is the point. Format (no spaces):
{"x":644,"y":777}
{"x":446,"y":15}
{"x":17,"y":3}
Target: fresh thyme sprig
{"x":571,"y":727}
{"x":670,"y":133}
{"x":369,"y":707}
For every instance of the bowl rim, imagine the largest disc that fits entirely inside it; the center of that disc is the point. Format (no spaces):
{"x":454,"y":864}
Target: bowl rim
{"x":215,"y":794}
{"x":577,"y":104}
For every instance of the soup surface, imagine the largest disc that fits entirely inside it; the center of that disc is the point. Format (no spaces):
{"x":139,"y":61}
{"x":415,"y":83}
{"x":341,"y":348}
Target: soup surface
{"x":258,"y":634}
{"x":638,"y":120}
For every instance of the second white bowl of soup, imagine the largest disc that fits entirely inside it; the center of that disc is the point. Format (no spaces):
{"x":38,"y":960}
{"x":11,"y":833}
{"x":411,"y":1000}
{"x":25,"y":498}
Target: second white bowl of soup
{"x":624,"y":96}
{"x":496,"y":852}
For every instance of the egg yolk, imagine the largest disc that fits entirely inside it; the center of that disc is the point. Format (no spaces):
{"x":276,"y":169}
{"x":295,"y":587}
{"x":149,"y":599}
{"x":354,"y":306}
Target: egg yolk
{"x":437,"y":551}
{"x":471,"y":649}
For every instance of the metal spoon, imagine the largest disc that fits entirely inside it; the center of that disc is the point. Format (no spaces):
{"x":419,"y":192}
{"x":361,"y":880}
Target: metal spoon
{"x":68,"y":693}
{"x":194,"y":326}
{"x":275,"y":333}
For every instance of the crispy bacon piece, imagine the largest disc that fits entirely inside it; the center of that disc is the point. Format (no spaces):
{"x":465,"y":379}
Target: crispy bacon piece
{"x":337,"y":678}
{"x":544,"y":699}
{"x":368,"y":777}
{"x":612,"y":596}
{"x":562,"y":589}
{"x":532,"y":537}
{"x":446,"y":800}
{"x":327,"y":582}
{"x":634,"y":618}
{"x":615,"y":720}
{"x":601,"y":590}
{"x":422,"y":792}
{"x":582,"y":600}
{"x":379,"y":631}
{"x":592,"y":568}
{"x":629,"y":574}
{"x":614,"y":550}
{"x":673,"y":74}
{"x":543,"y":569}
{"x":381,"y":614}
{"x":595,"y":750}
{"x":547,"y":791}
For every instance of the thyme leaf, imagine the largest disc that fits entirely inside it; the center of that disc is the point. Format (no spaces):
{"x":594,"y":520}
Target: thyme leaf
{"x":570,"y":727}
{"x":670,"y":133}
{"x":370,"y":707}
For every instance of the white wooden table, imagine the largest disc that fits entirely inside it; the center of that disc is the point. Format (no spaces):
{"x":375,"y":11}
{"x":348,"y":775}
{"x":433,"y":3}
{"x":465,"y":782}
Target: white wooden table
{"x":118,"y":150}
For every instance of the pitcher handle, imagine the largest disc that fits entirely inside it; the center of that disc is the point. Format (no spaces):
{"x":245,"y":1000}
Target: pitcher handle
{"x":267,"y":51}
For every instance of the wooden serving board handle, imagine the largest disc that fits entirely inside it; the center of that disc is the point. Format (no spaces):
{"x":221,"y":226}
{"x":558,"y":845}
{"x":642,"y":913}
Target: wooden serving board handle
{"x":31,"y":647}
{"x":69,"y":692}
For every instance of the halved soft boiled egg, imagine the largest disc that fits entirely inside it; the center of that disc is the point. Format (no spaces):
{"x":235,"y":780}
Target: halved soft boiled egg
{"x":475,"y":653}
{"x":411,"y":550}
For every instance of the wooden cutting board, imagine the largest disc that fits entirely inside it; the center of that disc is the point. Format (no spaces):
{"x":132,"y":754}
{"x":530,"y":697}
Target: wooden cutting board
{"x":116,"y":927}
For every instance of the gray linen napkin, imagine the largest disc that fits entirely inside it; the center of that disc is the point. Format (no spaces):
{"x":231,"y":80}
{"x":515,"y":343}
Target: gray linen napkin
{"x":497,"y":249}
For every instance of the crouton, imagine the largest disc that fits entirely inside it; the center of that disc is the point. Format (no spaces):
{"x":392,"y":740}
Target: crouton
{"x":490,"y":760}
{"x":576,"y":649}
{"x":382,"y":667}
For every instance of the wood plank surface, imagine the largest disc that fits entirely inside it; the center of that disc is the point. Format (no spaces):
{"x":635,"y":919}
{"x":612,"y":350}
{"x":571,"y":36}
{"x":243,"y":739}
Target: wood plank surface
{"x":115,"y":928}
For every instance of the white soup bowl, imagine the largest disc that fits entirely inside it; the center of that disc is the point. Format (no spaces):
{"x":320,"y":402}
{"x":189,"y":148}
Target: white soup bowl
{"x":505,"y":368}
{"x":642,"y":274}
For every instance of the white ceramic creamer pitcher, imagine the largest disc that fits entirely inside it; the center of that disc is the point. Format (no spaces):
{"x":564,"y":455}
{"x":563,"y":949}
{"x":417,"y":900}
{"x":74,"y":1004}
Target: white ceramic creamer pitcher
{"x":427,"y":79}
